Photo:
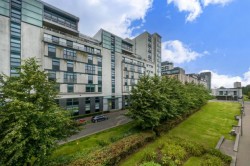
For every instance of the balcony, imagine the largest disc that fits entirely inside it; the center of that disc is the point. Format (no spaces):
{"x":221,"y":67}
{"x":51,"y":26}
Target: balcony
{"x":67,"y":80}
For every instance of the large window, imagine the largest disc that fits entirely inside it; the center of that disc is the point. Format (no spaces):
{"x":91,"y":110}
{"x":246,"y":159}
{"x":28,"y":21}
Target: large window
{"x":70,"y":88}
{"x":90,"y":59}
{"x":97,"y":104}
{"x":55,"y":39}
{"x":90,"y":88}
{"x":51,"y":50}
{"x":90,"y":79}
{"x":70,"y":66}
{"x":90,"y":69}
{"x":55,"y":64}
{"x":73,"y":106}
{"x":99,"y":87}
{"x":52,"y":75}
{"x":87,"y":105}
{"x":99,"y":61}
{"x":69,"y":54}
{"x":70,"y":77}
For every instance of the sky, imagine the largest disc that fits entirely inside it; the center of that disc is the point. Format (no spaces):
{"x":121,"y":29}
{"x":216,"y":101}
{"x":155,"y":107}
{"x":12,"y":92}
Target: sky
{"x":197,"y":35}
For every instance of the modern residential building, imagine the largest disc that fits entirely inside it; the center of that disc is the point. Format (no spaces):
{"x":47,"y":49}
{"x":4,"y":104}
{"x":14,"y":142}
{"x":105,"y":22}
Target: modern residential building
{"x":208,"y":77}
{"x":228,"y":93}
{"x":93,"y":73}
{"x":168,"y":69}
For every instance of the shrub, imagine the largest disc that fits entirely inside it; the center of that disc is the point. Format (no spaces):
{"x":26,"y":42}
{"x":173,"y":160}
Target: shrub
{"x":227,"y":159}
{"x":210,"y":160}
{"x":112,"y":154}
{"x":102,"y":143}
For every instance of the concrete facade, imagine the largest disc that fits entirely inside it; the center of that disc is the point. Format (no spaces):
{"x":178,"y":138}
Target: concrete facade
{"x":93,"y":73}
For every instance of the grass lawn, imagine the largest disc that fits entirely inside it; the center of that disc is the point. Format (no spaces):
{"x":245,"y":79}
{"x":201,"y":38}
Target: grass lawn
{"x":82,"y":147}
{"x":205,"y":127}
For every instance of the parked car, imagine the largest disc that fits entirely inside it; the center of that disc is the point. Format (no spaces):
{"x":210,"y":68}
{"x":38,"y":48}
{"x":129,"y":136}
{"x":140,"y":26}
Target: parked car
{"x":98,"y":118}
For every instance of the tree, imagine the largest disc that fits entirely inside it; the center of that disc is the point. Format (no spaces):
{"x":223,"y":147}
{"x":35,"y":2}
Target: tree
{"x":156,"y":99}
{"x":31,"y":122}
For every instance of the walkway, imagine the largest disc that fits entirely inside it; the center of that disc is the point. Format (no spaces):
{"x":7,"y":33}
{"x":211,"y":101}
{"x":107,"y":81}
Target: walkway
{"x":243,"y":156}
{"x":116,"y":118}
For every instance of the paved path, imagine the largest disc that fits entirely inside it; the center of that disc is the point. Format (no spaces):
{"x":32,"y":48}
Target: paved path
{"x":243,"y":156}
{"x":115,"y":119}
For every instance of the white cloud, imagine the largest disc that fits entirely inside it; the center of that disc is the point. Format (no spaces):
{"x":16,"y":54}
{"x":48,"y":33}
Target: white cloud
{"x":195,"y":7}
{"x":177,"y":52}
{"x":115,"y":16}
{"x":215,"y":2}
{"x":219,"y":80}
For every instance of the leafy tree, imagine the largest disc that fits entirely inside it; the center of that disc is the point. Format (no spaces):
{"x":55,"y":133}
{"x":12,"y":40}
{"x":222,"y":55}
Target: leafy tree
{"x":31,"y":123}
{"x":156,"y":99}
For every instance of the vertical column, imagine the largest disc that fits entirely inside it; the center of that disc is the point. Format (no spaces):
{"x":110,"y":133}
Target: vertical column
{"x":15,"y":36}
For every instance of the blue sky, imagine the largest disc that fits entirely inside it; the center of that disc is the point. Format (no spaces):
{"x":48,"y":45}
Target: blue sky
{"x":197,"y":35}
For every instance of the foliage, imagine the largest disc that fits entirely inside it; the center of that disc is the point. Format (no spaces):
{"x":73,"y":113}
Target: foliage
{"x":113,"y":153}
{"x":31,"y":122}
{"x":246,"y":90}
{"x":209,"y":160}
{"x":175,"y":151}
{"x":81,"y":148}
{"x":201,"y":131}
{"x":156,"y":99}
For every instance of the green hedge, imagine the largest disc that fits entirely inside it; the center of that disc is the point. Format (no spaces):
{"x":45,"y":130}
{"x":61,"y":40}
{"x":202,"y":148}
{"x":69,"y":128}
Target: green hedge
{"x":113,"y":153}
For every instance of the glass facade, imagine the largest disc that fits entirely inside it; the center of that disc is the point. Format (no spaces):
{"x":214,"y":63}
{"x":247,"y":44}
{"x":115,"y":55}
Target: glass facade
{"x":5,"y":7}
{"x":15,"y":37}
{"x":32,"y":12}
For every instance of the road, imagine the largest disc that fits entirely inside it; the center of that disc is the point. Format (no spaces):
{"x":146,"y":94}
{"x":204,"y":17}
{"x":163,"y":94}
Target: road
{"x":115,"y":119}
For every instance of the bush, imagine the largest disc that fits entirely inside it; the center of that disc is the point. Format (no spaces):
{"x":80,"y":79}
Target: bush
{"x":209,"y":160}
{"x":225,"y":158}
{"x":102,"y":143}
{"x":113,"y":153}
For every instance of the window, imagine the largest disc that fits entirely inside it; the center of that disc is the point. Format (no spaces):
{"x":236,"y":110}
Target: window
{"x":70,"y":78}
{"x":90,"y":79}
{"x":70,"y":88}
{"x":87,"y":105}
{"x":90,"y":59}
{"x":99,"y":79}
{"x":70,"y":66}
{"x":97,"y":104}
{"x":90,"y":50}
{"x":99,"y":61}
{"x":52,"y":75}
{"x":90,"y":69}
{"x":99,"y":88}
{"x":126,"y":82}
{"x":132,"y":67}
{"x":69,"y":43}
{"x":90,"y":88}
{"x":55,"y":39}
{"x":51,"y":50}
{"x":126,"y":74}
{"x":55,"y":64}
{"x":69,"y":54}
{"x":73,"y":106}
{"x":132,"y":75}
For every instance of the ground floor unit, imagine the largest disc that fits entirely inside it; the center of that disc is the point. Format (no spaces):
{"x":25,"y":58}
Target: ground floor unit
{"x":88,"y":105}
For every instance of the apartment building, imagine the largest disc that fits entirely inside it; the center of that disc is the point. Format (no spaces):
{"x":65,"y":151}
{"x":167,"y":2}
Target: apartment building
{"x":93,"y":73}
{"x":168,"y":69}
